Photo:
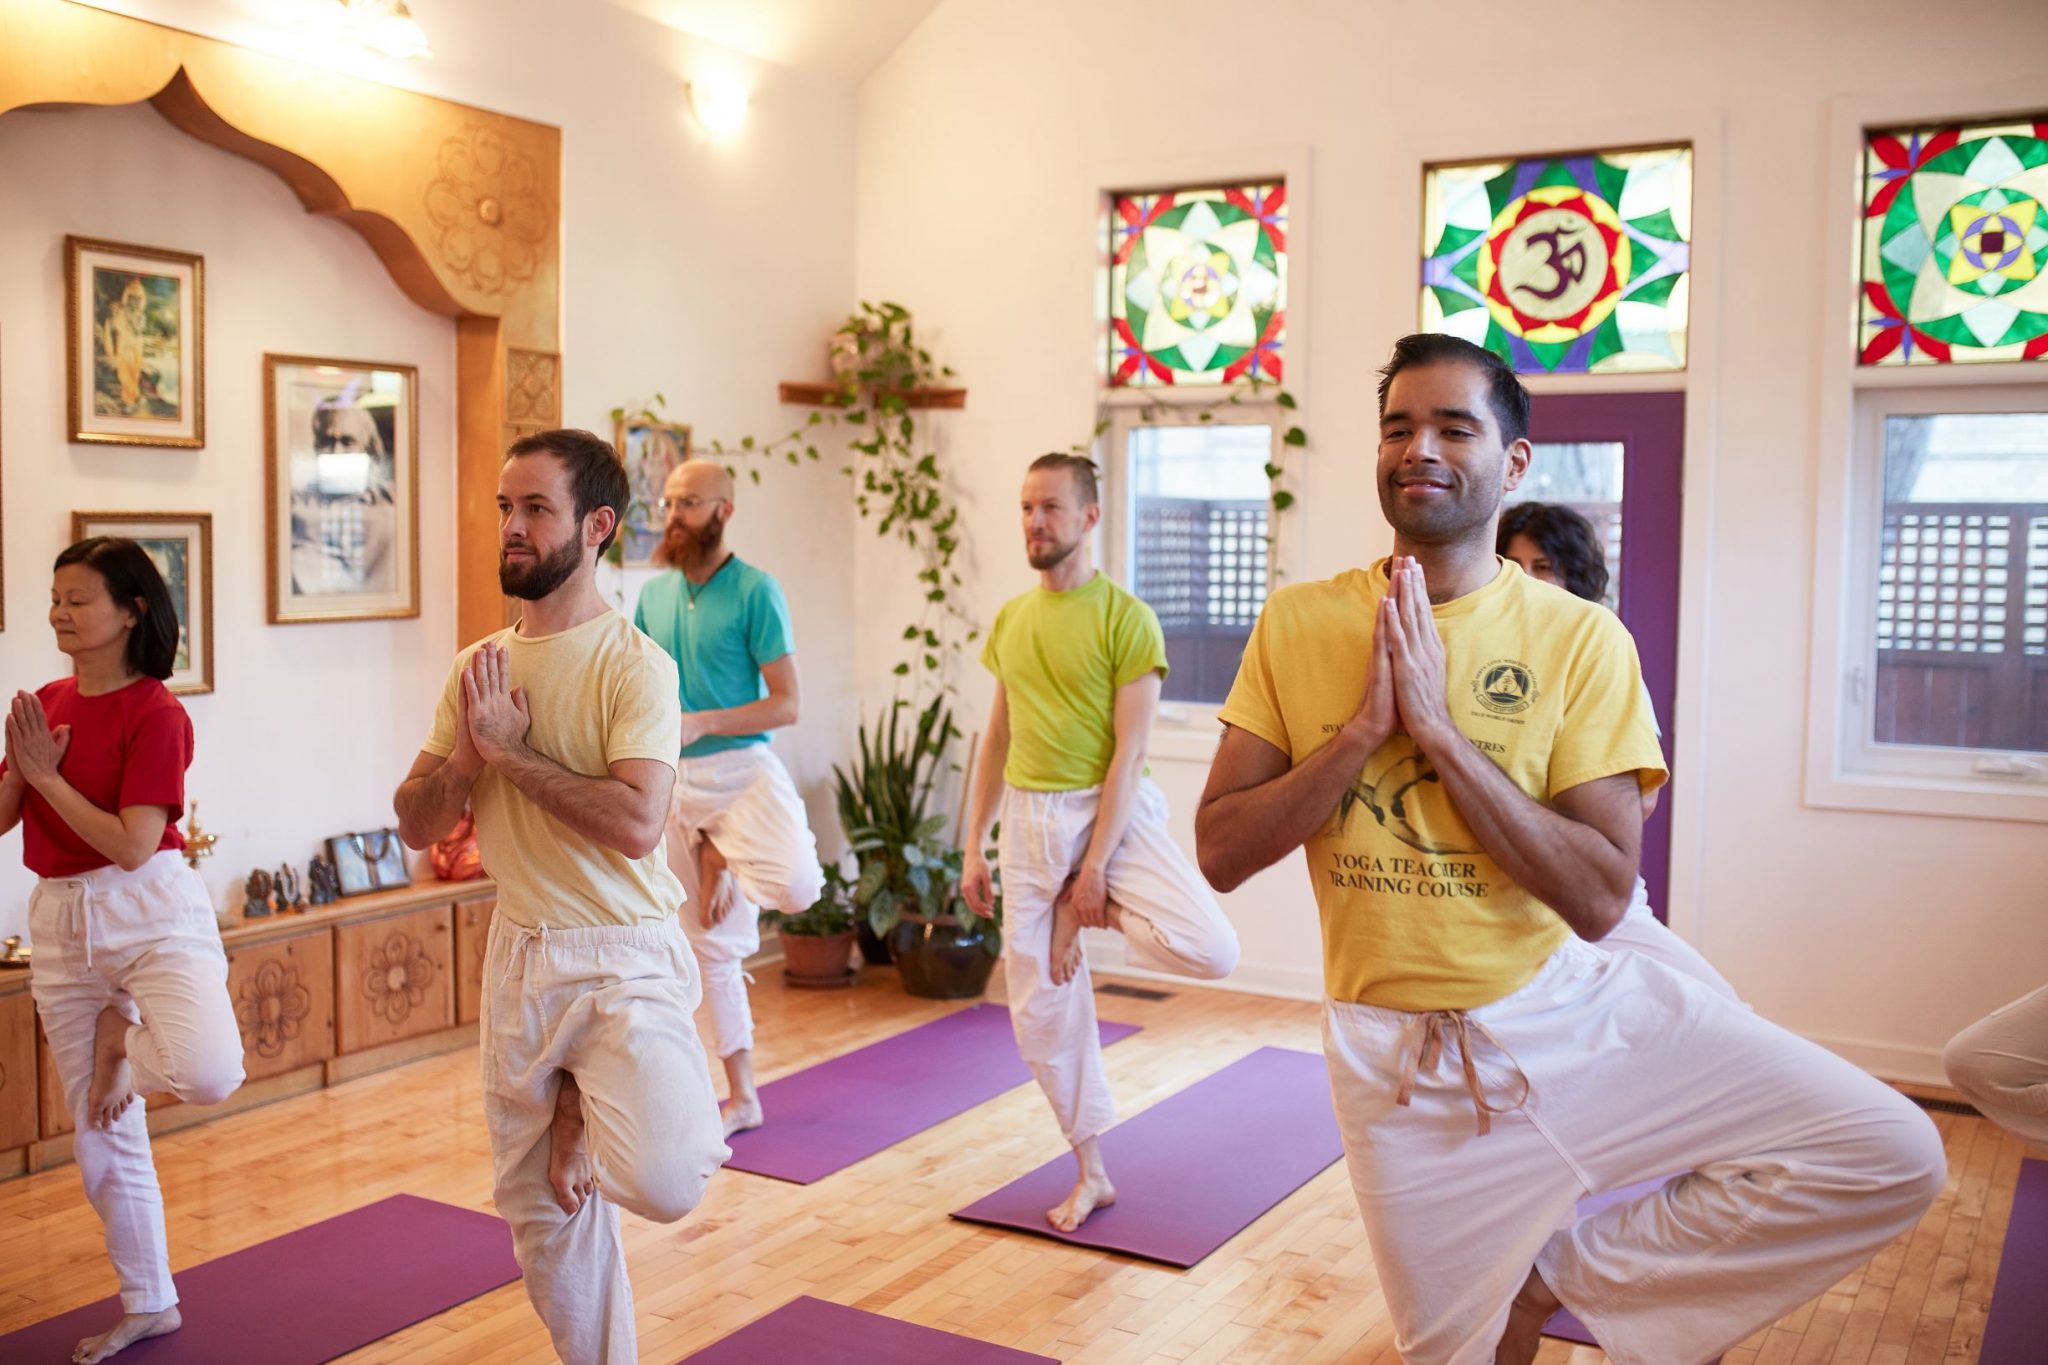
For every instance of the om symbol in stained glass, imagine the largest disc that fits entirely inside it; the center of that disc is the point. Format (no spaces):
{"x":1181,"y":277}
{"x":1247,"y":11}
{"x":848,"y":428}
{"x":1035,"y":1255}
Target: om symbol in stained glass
{"x":1198,"y":286}
{"x":1955,"y":241}
{"x":1563,"y":264}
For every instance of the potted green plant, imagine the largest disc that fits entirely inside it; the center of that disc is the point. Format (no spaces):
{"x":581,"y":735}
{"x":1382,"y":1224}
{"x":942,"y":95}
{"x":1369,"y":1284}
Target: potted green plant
{"x":907,"y":887}
{"x":817,"y":943}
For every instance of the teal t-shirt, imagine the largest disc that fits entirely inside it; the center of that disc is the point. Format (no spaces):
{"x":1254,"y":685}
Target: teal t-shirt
{"x":720,"y":639}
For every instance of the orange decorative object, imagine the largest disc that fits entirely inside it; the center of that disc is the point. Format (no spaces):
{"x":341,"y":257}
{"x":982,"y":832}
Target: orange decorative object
{"x":456,"y":858}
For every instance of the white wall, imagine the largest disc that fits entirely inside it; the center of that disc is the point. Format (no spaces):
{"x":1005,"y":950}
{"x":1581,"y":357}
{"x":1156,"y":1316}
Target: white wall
{"x":985,"y":138}
{"x":705,"y":271}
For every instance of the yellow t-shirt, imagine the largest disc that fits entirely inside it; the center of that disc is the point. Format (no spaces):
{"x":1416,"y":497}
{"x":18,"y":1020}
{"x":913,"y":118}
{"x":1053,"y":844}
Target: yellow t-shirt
{"x":1061,"y":657}
{"x":598,"y":693}
{"x":1415,"y":915}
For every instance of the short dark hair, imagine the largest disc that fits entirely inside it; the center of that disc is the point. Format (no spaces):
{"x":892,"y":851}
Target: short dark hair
{"x":1507,"y":397}
{"x":1566,"y":539}
{"x":597,"y":477}
{"x":133,"y":582}
{"x":1080,"y":466}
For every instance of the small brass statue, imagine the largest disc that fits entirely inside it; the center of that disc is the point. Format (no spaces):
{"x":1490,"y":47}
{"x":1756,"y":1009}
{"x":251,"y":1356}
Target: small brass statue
{"x":289,"y":899}
{"x":198,"y":842}
{"x":256,"y":894}
{"x":12,"y":954}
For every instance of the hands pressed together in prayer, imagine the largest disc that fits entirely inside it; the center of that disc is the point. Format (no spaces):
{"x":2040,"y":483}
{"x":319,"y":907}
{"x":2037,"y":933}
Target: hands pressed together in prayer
{"x":34,"y":749}
{"x":493,"y":719}
{"x":1404,"y":683}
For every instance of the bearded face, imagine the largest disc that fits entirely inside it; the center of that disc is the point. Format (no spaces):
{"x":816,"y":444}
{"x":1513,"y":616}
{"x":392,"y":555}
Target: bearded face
{"x":684,"y":546}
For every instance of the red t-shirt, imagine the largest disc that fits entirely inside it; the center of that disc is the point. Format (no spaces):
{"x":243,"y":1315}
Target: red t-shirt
{"x":129,"y":747}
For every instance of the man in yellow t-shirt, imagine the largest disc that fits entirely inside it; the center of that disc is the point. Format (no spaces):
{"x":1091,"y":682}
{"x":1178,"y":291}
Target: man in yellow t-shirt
{"x":562,"y":732}
{"x":1078,"y":664}
{"x":1462,"y":752}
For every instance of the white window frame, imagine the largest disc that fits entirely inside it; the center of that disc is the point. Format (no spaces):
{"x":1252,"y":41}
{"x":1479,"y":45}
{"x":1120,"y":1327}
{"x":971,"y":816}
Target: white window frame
{"x":1178,"y":719}
{"x":1845,"y":770}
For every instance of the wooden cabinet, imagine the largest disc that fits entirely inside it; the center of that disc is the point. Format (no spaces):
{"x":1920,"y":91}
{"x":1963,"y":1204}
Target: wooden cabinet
{"x":283,"y":991}
{"x":18,"y":1106}
{"x":394,"y":978}
{"x":472,"y":935}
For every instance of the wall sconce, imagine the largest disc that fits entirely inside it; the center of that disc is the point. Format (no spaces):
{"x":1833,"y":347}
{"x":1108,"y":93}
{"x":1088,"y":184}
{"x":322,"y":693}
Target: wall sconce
{"x":387,"y":27}
{"x":719,"y":104}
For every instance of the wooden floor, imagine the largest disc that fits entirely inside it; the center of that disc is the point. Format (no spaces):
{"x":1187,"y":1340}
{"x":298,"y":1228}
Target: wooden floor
{"x":1298,"y":1286}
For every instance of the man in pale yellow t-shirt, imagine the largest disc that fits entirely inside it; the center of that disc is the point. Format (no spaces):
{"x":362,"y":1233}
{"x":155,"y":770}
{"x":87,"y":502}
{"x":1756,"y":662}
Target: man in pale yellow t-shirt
{"x":1078,"y":664}
{"x":562,"y":732}
{"x":1462,"y":752}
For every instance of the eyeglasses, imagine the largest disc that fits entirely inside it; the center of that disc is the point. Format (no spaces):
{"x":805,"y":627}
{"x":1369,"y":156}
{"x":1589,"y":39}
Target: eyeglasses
{"x":689,"y":504}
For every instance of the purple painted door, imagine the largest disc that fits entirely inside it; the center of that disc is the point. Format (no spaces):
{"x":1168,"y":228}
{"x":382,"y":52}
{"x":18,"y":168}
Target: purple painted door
{"x":1649,"y":428}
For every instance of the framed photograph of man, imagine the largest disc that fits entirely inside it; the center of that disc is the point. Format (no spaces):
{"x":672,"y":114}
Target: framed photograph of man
{"x":135,"y":344}
{"x":650,"y":450}
{"x":341,"y":481}
{"x":181,"y":545}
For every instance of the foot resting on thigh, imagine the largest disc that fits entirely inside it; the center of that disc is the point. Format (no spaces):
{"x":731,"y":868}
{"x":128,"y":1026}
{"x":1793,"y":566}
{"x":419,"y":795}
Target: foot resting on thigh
{"x":570,"y":1169}
{"x":743,"y":1110}
{"x":715,"y":884}
{"x":132,"y":1327}
{"x":1532,"y":1308}
{"x":1091,"y":1191}
{"x":1066,"y":952}
{"x":113,"y":1084}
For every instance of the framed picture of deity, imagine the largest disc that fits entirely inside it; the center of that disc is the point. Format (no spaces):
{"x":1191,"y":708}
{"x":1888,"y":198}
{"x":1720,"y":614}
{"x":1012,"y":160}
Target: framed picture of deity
{"x":649,"y":450}
{"x":181,"y":546}
{"x":135,"y":357}
{"x":341,"y":484}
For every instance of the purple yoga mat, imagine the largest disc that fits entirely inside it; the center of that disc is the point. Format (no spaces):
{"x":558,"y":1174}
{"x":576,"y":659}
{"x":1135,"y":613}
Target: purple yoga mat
{"x":2018,"y":1322}
{"x":309,"y":1295}
{"x":814,"y":1332}
{"x":828,"y":1116}
{"x":1195,"y":1169}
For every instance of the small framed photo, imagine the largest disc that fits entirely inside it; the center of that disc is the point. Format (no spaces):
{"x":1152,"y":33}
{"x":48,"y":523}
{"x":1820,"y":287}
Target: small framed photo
{"x":181,"y":544}
{"x":341,"y":482}
{"x":136,"y":344}
{"x":650,"y":450}
{"x":372,"y":861}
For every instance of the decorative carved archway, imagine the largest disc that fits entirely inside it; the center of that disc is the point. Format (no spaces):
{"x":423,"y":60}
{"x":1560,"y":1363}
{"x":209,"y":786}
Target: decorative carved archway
{"x":463,"y":207}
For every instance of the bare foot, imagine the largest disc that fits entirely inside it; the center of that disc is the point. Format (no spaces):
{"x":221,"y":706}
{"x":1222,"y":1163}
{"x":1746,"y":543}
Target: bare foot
{"x":569,"y":1166}
{"x":113,"y":1084}
{"x":741,"y":1114}
{"x":1090,"y":1192}
{"x":715,"y":884}
{"x":1532,"y":1308}
{"x":1065,"y":956}
{"x":132,"y":1327}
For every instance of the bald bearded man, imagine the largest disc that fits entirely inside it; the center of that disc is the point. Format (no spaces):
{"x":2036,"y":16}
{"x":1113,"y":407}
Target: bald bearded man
{"x":737,"y":835}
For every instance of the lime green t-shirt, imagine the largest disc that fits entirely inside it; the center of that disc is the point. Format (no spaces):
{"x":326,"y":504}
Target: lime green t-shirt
{"x":1061,"y":656}
{"x":1415,"y":914}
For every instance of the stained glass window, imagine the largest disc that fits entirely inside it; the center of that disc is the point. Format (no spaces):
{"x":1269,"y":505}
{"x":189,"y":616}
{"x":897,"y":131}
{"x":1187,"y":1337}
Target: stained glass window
{"x":1197,"y":285}
{"x":1567,"y":264}
{"x":1955,"y":244}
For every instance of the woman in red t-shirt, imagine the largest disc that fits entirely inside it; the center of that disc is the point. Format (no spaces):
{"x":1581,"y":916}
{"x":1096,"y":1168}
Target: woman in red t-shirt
{"x":130,"y":980}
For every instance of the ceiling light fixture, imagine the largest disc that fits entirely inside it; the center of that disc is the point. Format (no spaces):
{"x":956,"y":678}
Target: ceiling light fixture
{"x":719,"y":103}
{"x":387,"y":27}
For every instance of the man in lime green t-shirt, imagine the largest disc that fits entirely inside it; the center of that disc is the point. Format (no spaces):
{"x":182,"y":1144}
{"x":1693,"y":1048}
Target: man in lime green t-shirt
{"x":1462,"y":753}
{"x":1078,"y":664}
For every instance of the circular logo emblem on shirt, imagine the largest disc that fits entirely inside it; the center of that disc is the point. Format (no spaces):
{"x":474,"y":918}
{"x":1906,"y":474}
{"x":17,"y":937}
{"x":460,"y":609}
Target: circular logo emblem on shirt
{"x":1505,"y":687}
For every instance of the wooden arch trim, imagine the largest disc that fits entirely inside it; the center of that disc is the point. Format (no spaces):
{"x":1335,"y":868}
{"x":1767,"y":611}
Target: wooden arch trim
{"x":461,"y":205}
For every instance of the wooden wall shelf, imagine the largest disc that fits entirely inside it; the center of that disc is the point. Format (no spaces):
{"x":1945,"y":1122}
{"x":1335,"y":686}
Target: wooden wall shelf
{"x":832,"y":396}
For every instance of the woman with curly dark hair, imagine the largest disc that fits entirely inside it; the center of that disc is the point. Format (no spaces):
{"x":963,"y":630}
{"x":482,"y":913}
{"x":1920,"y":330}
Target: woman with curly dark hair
{"x":130,"y":977}
{"x":1554,"y":544}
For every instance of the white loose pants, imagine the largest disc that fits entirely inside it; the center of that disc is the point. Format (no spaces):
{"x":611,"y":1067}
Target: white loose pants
{"x":612,"y":1007}
{"x":1171,"y":923}
{"x":1640,"y":931}
{"x":2000,"y":1063}
{"x":146,"y":943}
{"x":742,"y":801}
{"x":1800,"y":1165}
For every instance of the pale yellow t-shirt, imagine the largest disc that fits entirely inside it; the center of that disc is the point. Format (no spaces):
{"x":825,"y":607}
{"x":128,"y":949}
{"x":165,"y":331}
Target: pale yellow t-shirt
{"x":1415,"y":915}
{"x":598,"y":693}
{"x":1061,"y":657}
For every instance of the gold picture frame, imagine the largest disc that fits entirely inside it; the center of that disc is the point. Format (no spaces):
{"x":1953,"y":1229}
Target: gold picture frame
{"x":181,"y":544}
{"x":649,"y":450}
{"x":135,"y":344}
{"x":341,"y":479}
